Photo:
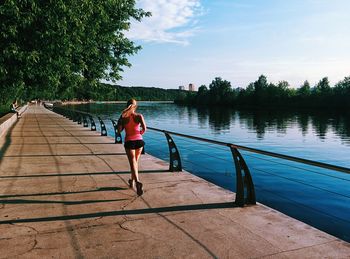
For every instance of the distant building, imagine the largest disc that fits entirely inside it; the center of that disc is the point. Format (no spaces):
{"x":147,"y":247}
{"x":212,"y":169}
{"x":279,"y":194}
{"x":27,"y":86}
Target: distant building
{"x":191,"y":88}
{"x":181,"y":87}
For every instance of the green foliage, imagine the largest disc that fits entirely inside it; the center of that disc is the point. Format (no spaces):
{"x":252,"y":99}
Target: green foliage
{"x":323,"y":86}
{"x":4,"y":109}
{"x":220,"y":91}
{"x":263,"y":94}
{"x":107,"y":92}
{"x":304,"y":90}
{"x":54,"y":48}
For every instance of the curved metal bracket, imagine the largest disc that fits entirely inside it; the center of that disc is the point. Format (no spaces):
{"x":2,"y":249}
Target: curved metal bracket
{"x":85,"y":122}
{"x":74,"y":116}
{"x":175,"y":160}
{"x":92,"y":122}
{"x":117,"y":136}
{"x":103,"y":127}
{"x":65,"y":113}
{"x":70,"y":115}
{"x":79,"y":117}
{"x":244,"y":182}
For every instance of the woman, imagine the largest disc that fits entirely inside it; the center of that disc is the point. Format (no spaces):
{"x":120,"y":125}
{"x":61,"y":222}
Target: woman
{"x":13,"y":108}
{"x":135,"y":126}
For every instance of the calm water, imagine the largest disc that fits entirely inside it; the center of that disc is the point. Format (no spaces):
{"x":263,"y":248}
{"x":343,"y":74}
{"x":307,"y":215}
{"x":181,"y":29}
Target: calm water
{"x":316,"y":196}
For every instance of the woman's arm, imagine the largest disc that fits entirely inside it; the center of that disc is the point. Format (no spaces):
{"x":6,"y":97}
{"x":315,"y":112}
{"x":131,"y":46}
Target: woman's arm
{"x":120,"y":125}
{"x":143,"y":124}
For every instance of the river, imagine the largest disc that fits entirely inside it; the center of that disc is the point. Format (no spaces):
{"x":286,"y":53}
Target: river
{"x":316,"y":196}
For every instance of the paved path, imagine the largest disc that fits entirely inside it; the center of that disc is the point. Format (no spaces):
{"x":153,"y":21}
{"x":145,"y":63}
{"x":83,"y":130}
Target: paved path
{"x":64,"y":194}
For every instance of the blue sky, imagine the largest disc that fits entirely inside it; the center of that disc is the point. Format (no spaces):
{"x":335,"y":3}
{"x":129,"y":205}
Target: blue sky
{"x":194,"y":41}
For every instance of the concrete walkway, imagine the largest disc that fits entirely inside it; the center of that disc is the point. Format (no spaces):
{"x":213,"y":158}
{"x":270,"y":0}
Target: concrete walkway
{"x":64,"y":194}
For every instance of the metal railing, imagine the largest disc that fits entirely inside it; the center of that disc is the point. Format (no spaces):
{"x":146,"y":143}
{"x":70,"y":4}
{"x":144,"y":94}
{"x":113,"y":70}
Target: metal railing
{"x":263,"y":152}
{"x":245,"y":192}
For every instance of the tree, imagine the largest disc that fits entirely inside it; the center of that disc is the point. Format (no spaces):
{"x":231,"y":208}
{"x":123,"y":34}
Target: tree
{"x":304,"y":90}
{"x":260,"y":87}
{"x":220,"y":91}
{"x":51,"y":47}
{"x":203,"y":89}
{"x":202,"y":96}
{"x":260,"y":84}
{"x":323,"y":86}
{"x":342,"y":93}
{"x":263,"y":94}
{"x":283,"y":85}
{"x":343,"y":87}
{"x":250,"y":88}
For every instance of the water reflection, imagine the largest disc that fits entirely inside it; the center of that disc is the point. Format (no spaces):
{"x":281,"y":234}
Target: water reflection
{"x":202,"y":117}
{"x":191,"y":115}
{"x":303,"y":123}
{"x":221,"y":120}
{"x":263,"y":121}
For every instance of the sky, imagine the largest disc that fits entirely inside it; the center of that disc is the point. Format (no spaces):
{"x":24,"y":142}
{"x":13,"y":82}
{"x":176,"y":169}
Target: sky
{"x":194,"y":41}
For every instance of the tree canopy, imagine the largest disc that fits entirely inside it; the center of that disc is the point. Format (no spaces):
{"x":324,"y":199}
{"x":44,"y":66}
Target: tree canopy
{"x":52,"y":47}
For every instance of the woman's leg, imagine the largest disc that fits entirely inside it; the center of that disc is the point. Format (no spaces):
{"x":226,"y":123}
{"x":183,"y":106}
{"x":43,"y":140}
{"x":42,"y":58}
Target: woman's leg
{"x":132,"y":162}
{"x":136,"y":163}
{"x":133,"y":157}
{"x":137,"y":155}
{"x":139,"y":188}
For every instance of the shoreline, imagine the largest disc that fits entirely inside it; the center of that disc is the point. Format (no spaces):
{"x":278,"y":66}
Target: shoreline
{"x":118,"y":102}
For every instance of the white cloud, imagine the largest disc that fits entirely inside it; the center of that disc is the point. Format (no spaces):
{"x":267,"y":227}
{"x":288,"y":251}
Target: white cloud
{"x":171,"y":21}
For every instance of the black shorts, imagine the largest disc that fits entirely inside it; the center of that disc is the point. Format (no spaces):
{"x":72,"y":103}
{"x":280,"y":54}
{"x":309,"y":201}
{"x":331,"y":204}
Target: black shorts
{"x":134,"y":144}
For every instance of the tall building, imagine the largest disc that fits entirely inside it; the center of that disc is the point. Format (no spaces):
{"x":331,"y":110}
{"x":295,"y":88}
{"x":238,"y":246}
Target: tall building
{"x":181,"y":87}
{"x":191,"y":88}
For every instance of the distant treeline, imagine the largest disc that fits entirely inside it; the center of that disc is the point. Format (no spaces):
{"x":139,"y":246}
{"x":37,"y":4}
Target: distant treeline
{"x":107,"y":92}
{"x":263,"y":94}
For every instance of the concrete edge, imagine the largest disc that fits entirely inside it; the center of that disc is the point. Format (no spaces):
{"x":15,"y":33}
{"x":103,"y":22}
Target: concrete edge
{"x":12,"y":118}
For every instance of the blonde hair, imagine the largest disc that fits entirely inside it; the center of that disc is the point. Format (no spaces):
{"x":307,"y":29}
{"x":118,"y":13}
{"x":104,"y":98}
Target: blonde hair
{"x":131,"y":107}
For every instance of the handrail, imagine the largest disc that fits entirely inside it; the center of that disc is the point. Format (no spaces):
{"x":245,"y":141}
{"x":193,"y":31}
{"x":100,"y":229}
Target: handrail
{"x":253,"y":150}
{"x":245,"y":193}
{"x":263,"y":152}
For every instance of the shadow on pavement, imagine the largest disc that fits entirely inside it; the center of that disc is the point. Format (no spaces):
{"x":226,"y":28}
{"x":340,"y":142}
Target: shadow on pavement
{"x":20,"y":201}
{"x":125,"y":212}
{"x":103,"y":189}
{"x":80,"y":174}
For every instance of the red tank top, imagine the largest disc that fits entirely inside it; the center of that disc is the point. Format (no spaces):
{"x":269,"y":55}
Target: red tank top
{"x":132,"y":129}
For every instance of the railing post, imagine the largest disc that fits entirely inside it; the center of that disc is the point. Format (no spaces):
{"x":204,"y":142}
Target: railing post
{"x":175,"y":160}
{"x":92,"y":122}
{"x":103,"y":127}
{"x":85,"y":122}
{"x":74,"y":116}
{"x":63,"y":112}
{"x":66,"y":113}
{"x":71,"y":116}
{"x":243,"y":180}
{"x":79,"y":117}
{"x":117,"y":135}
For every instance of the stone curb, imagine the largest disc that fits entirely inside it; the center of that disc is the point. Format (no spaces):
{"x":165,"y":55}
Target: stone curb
{"x":9,"y":119}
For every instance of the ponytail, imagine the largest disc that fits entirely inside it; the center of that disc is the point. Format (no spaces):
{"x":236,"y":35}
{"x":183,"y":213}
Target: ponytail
{"x":128,"y":110}
{"x":131,"y":107}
